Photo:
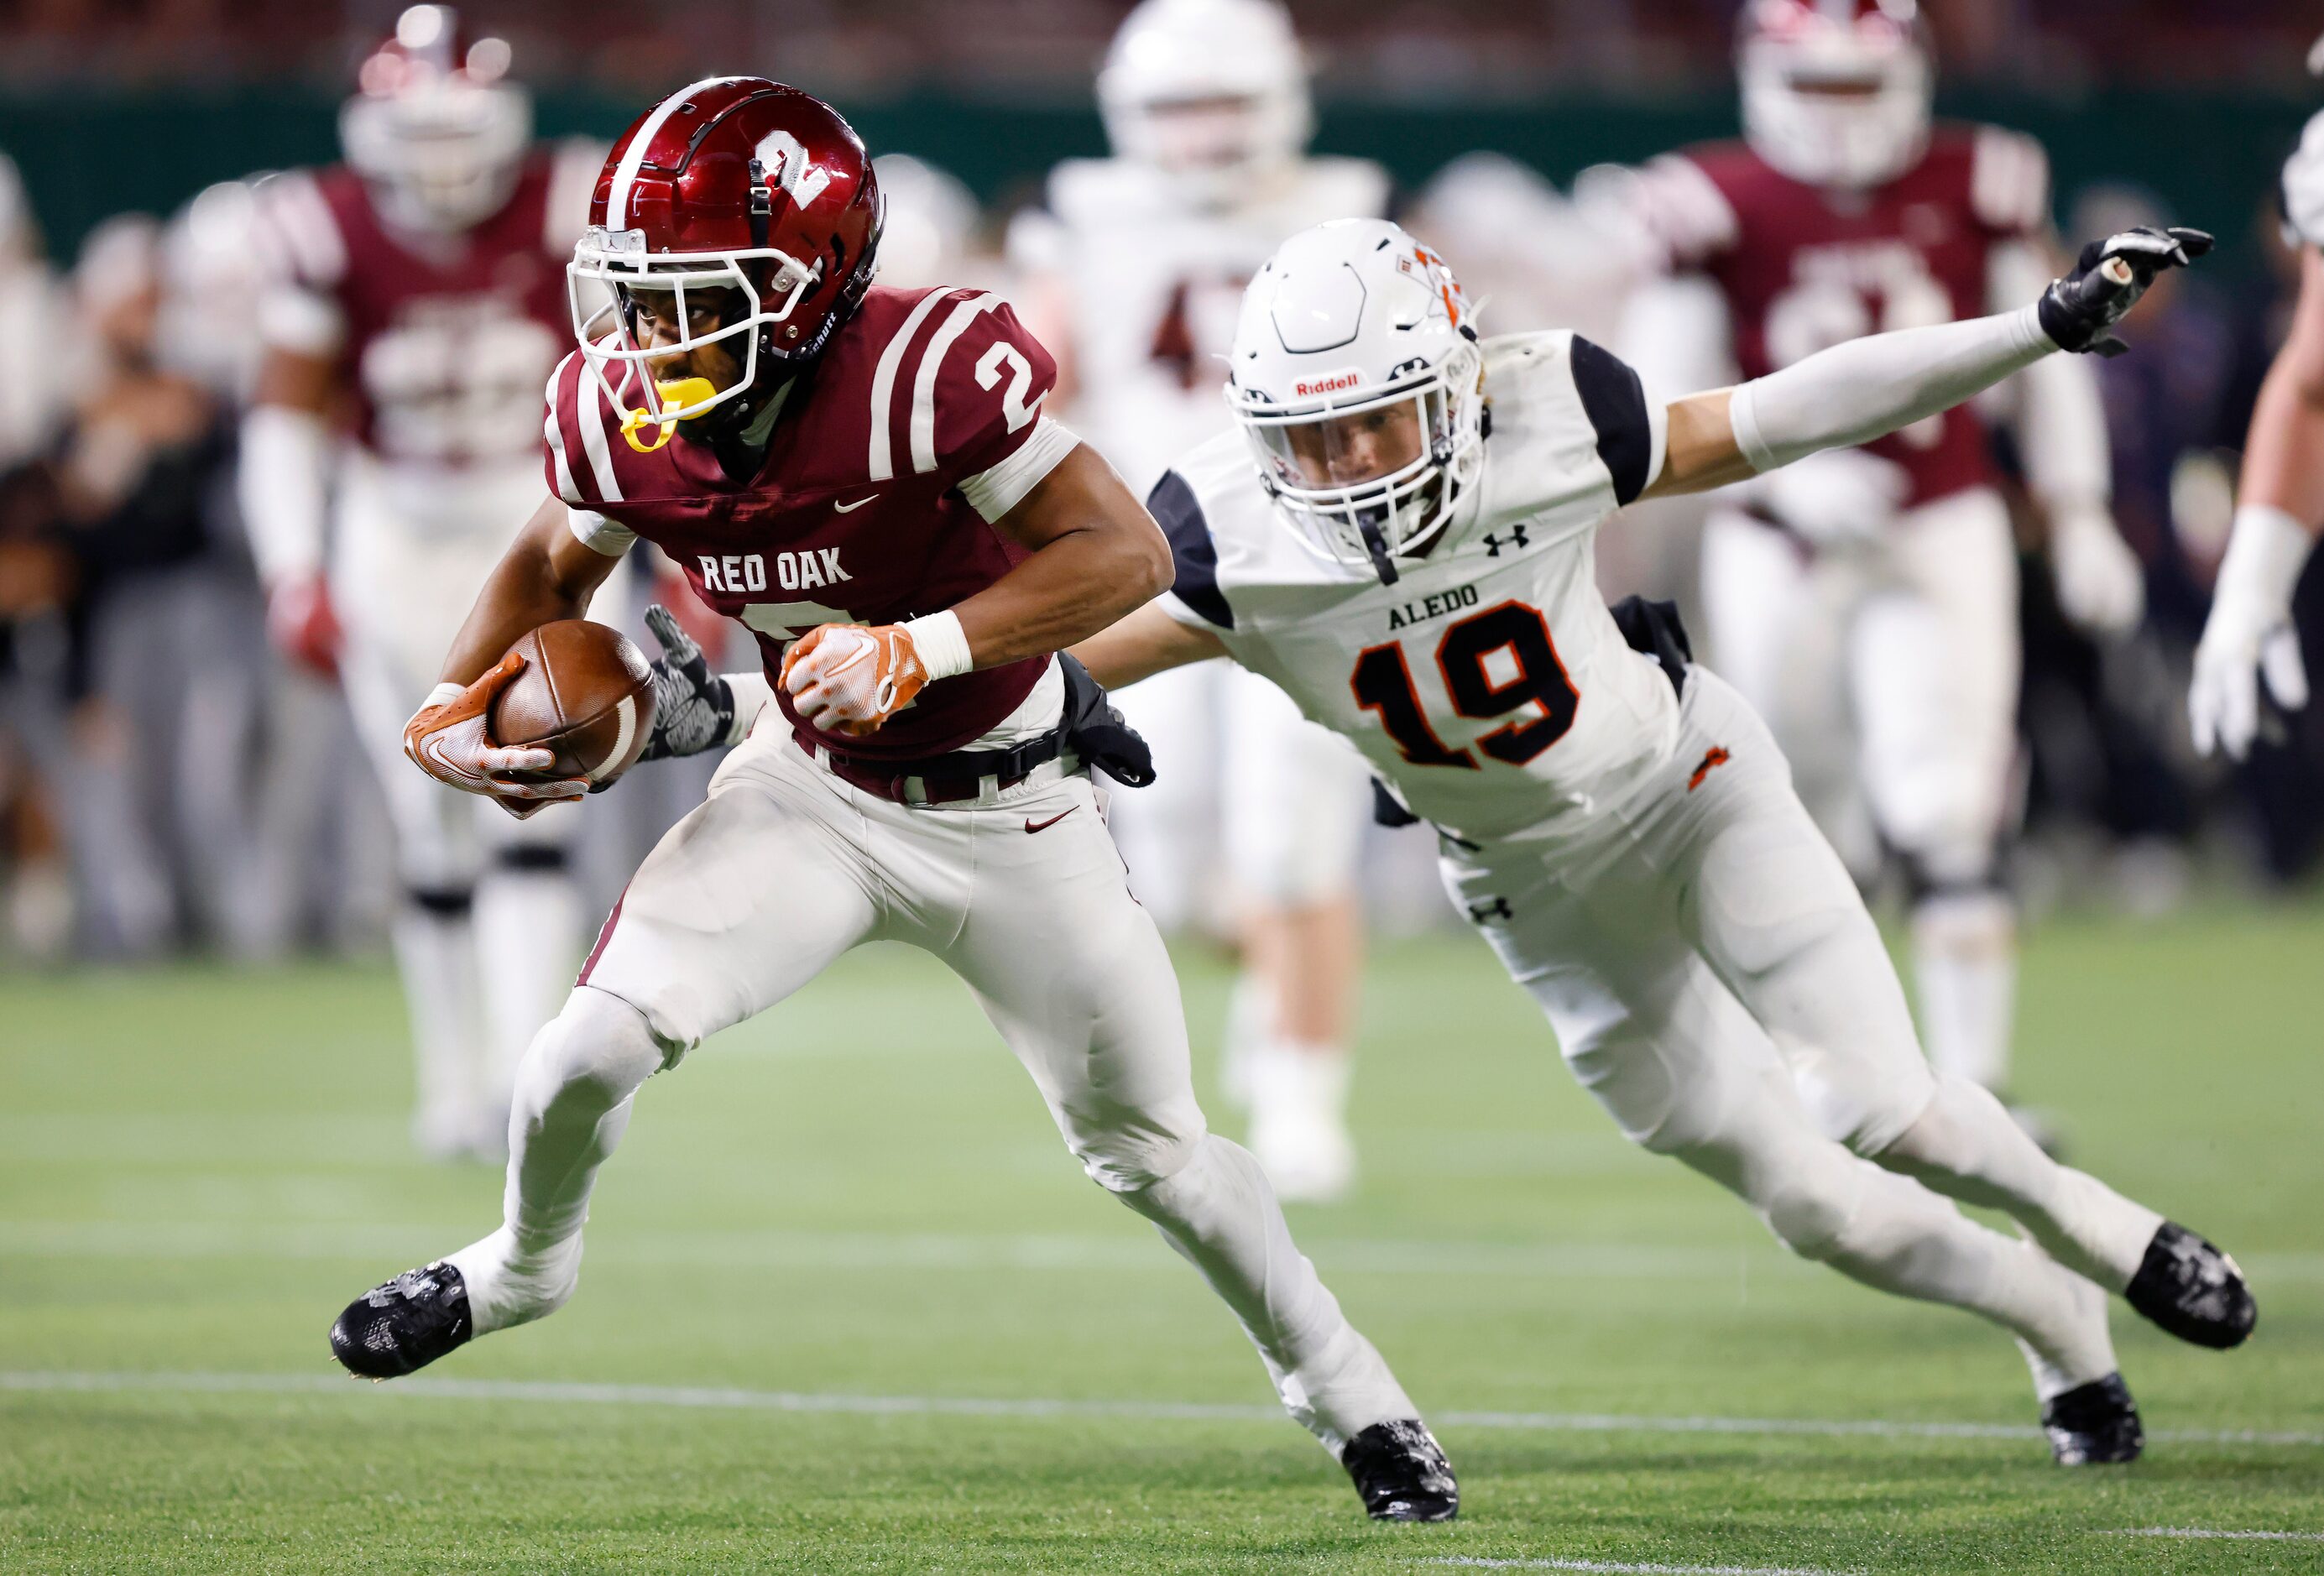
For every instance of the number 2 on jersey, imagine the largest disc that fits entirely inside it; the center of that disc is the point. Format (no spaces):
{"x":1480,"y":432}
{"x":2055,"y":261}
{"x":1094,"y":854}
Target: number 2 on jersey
{"x":1382,"y":683}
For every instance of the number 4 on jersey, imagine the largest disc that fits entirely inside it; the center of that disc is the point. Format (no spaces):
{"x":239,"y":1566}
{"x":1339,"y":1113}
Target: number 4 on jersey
{"x":1382,"y":683}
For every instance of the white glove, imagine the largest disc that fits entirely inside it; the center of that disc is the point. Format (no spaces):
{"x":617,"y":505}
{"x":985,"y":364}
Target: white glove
{"x":2249,"y":635}
{"x":2101,"y":585}
{"x":1840,"y":498}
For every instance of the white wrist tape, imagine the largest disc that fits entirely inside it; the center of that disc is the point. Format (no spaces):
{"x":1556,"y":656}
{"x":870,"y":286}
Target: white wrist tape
{"x":942,"y":643}
{"x":1869,"y":388}
{"x":443,"y":693}
{"x":752,"y":694}
{"x":2265,"y":555}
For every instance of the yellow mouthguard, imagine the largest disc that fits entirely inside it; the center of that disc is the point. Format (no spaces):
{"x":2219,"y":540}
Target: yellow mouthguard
{"x":675,"y":395}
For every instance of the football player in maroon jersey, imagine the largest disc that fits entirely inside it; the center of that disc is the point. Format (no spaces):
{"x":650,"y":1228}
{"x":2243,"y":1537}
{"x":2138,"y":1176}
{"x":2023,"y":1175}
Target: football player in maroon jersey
{"x":1867,"y":602}
{"x":864,"y":478}
{"x":415,"y":302}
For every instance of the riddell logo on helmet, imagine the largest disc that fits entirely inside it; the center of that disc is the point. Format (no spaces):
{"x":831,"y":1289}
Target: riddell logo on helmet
{"x":1330,"y":383}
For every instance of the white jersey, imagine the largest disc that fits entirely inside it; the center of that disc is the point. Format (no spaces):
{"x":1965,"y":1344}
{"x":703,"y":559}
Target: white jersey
{"x":1489,"y":684}
{"x":2302,"y":192}
{"x":1155,"y":285}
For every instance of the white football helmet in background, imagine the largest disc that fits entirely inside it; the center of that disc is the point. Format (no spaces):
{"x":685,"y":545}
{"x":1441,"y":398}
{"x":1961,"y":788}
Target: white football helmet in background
{"x":435,"y":127}
{"x":1212,"y":93}
{"x":931,"y":222}
{"x":1836,"y":92}
{"x":1357,"y":377}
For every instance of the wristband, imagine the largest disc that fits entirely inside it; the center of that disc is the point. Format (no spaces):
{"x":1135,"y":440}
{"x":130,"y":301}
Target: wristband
{"x":942,"y":644}
{"x":442,"y":695}
{"x":752,"y":694}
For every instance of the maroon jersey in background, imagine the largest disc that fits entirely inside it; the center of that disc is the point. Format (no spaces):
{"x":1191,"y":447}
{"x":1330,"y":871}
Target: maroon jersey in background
{"x":857,"y":514}
{"x":1803,"y":267}
{"x":445,"y":339}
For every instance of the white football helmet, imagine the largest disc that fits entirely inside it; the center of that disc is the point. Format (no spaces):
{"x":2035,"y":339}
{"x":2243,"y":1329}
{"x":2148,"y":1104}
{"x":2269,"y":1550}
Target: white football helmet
{"x":1211,"y":93}
{"x":436,"y":128}
{"x":931,"y":223}
{"x":1357,"y":377}
{"x":1836,"y":92}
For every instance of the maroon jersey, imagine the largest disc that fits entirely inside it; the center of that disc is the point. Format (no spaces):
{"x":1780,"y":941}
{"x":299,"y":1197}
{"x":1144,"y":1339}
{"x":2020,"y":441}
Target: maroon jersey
{"x":1803,"y":267}
{"x":858,"y":513}
{"x":445,"y":340}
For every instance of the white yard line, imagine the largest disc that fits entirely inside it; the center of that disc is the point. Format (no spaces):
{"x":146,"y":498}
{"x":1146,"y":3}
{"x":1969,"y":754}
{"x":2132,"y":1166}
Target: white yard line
{"x":723,"y":1399}
{"x":1477,"y":1562}
{"x":2205,"y":1531}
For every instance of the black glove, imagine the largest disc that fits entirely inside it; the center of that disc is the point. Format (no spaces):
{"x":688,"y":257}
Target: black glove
{"x":2077,"y":311}
{"x":693,"y":708}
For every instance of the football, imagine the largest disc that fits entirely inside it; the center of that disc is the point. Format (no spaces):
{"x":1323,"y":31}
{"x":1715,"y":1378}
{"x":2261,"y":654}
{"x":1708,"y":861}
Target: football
{"x":584,"y":693}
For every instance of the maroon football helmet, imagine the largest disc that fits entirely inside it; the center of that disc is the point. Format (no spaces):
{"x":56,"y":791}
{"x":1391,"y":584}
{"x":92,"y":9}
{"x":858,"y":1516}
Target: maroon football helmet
{"x":435,"y":126}
{"x":1836,"y":93}
{"x":735,"y":183}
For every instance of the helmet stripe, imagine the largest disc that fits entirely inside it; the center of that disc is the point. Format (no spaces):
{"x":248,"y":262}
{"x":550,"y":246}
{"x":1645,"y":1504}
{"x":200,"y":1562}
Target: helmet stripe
{"x":625,"y":174}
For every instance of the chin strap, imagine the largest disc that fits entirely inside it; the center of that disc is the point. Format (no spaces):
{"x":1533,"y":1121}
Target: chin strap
{"x":1376,"y":545}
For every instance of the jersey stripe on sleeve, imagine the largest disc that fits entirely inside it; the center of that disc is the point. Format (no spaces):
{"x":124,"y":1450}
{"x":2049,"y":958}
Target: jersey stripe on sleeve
{"x":552,"y":432}
{"x":1179,"y":513}
{"x":924,"y":386}
{"x":884,"y":383}
{"x":589,"y":415}
{"x":1616,"y":402}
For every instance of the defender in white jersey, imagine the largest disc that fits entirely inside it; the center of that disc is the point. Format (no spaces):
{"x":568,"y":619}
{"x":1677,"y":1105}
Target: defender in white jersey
{"x":1136,"y":270}
{"x":1412,"y":560}
{"x":416,"y":295}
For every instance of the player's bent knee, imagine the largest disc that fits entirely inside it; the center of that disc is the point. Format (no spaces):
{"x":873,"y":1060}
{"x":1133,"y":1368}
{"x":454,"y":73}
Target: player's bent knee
{"x":1811,"y":1220}
{"x":597,"y":1050}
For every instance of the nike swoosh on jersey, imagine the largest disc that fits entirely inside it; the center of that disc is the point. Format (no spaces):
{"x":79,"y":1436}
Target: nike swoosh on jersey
{"x":1030,"y":825}
{"x":852,"y":508}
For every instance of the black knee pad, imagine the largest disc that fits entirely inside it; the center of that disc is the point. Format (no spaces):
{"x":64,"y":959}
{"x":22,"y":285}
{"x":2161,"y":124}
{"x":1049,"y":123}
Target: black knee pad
{"x":441,"y":902}
{"x":539,"y":858}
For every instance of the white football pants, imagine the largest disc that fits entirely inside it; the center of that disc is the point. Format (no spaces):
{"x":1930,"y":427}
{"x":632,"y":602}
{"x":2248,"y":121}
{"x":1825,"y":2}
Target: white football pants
{"x":491,"y":926}
{"x":1715,"y":982}
{"x":1888,"y":672}
{"x":784,"y":868}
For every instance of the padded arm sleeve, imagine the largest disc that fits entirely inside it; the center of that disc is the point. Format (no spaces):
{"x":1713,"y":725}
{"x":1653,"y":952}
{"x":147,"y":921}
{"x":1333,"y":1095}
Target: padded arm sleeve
{"x":1869,"y":388}
{"x":282,"y":485}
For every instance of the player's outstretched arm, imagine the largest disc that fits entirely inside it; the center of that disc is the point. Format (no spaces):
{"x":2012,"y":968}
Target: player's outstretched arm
{"x":1869,"y":388}
{"x":2249,"y":637}
{"x":1093,"y":555}
{"x":1147,"y":642}
{"x":548,"y":574}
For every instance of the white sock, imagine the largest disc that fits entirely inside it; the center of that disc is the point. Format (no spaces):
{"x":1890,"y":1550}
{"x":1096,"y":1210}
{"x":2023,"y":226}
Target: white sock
{"x":1967,"y":1147}
{"x":1964,"y":972}
{"x":528,"y":942}
{"x":573,"y":1100}
{"x":436,"y":954}
{"x":1221,"y":1214}
{"x":1249,"y":1024}
{"x":1901,"y":1238}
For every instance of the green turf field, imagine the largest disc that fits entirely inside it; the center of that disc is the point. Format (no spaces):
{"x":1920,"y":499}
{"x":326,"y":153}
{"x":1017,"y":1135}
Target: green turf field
{"x":849,"y":1305}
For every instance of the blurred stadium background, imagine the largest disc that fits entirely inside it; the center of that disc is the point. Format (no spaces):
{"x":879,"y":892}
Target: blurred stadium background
{"x":144,"y":818}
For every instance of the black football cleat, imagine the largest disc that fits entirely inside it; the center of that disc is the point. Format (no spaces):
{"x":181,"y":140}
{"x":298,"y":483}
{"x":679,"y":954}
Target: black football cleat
{"x":402,"y":1326}
{"x":2193,"y":1290}
{"x":1401,"y":1472}
{"x":2094,"y":1424}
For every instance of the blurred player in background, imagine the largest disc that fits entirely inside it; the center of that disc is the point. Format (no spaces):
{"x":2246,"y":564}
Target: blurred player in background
{"x":2250,"y":643}
{"x":1135,"y":271}
{"x":1866,"y":601}
{"x":418,"y":301}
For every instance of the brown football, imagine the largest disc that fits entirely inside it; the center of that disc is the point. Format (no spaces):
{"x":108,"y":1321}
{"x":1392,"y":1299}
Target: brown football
{"x":584,"y":693}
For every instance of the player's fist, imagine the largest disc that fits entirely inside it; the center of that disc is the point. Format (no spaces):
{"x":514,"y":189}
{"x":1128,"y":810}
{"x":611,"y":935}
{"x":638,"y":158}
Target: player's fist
{"x":448,"y":739}
{"x":2077,"y":311}
{"x":847,"y":679}
{"x":2101,"y":584}
{"x":303,"y":625}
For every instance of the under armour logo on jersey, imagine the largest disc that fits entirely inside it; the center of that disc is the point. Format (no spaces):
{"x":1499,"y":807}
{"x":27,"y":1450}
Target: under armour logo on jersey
{"x":1516,"y":539}
{"x":745,"y":572}
{"x":1490,"y":909}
